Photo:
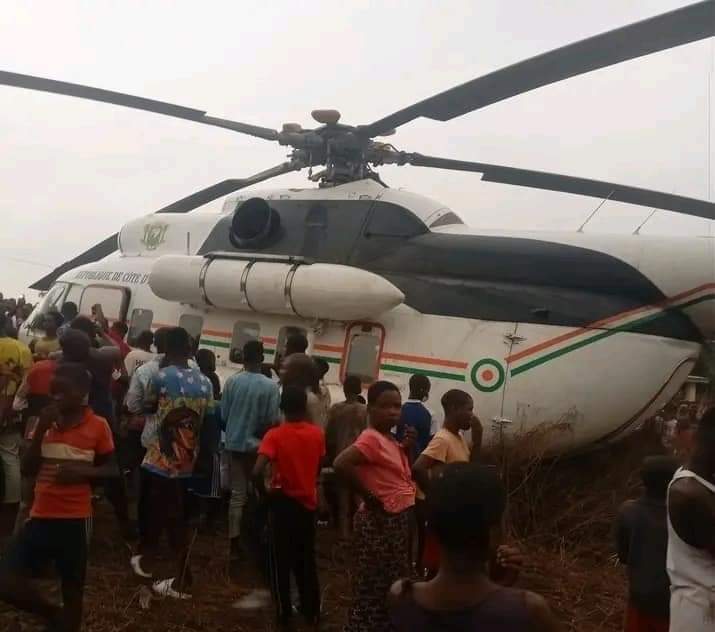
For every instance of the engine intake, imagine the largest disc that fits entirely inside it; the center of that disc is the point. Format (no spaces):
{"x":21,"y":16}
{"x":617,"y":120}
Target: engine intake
{"x":254,"y":223}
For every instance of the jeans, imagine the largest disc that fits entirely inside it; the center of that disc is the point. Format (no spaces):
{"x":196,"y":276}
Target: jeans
{"x":241,"y":469}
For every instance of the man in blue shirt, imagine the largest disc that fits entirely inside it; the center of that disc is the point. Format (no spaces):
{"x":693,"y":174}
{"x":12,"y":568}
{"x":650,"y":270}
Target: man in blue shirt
{"x":416,"y":414}
{"x":249,"y":407}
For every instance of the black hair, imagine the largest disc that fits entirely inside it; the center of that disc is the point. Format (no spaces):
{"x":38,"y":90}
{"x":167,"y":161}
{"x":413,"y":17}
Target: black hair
{"x":464,"y":502}
{"x":455,"y":398}
{"x":419,"y":383}
{"x":76,"y":374}
{"x":75,"y":345}
{"x":84,"y":324}
{"x":3,"y":324}
{"x":296,"y":343}
{"x":293,"y":402}
{"x":322,"y":366}
{"x":253,"y":352}
{"x":378,"y":388}
{"x":160,"y":339}
{"x":121,"y":327}
{"x":301,"y":371}
{"x":178,"y":341}
{"x":145,"y":338}
{"x":69,"y":310}
{"x":656,"y":474}
{"x":204,"y":354}
{"x":56,"y":316}
{"x":352,"y":385}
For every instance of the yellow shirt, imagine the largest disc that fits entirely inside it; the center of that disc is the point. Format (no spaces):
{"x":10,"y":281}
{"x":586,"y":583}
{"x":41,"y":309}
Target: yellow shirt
{"x":446,"y":447}
{"x":15,"y":360}
{"x":45,"y":346}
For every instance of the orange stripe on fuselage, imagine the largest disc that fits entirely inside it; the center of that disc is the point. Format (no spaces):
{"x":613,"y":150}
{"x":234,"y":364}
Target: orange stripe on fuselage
{"x":216,"y":332}
{"x":424,"y":360}
{"x":322,"y":347}
{"x":605,"y":321}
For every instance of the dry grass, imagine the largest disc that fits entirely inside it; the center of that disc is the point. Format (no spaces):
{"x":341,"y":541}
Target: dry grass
{"x":561,"y":514}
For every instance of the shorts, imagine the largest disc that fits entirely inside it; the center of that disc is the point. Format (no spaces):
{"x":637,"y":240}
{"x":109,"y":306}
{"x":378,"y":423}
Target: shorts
{"x":164,"y":512}
{"x":42,"y":541}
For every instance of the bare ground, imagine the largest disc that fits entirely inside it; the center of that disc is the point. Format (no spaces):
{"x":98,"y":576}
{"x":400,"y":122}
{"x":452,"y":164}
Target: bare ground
{"x":561,"y":514}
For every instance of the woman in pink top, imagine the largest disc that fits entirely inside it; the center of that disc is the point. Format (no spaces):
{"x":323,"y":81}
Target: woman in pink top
{"x":377,"y":467}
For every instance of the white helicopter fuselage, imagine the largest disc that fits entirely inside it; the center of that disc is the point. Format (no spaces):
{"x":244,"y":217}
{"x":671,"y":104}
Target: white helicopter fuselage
{"x":573,"y":387}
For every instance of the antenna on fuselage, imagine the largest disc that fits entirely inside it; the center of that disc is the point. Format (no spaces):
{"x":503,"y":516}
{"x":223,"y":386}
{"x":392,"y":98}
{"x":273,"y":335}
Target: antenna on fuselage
{"x":637,"y":231}
{"x":588,"y":219}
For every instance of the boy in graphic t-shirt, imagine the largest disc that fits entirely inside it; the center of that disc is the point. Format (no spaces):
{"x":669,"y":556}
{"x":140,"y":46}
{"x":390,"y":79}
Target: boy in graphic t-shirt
{"x":295,"y":450}
{"x":70,"y":446}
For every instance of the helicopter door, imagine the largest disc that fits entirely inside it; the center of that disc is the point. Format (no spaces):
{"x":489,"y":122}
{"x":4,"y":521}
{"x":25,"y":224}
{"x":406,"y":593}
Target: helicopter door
{"x":363,"y":348}
{"x":504,"y":423}
{"x":114,"y":301}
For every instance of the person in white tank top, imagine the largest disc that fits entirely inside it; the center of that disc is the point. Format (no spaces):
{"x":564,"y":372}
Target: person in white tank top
{"x":691,"y":535}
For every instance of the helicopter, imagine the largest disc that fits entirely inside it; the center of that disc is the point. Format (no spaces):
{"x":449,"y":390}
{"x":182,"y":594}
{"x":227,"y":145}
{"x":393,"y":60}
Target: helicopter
{"x":582,"y":335}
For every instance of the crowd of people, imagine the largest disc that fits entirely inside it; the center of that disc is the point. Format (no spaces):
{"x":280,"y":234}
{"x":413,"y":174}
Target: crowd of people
{"x":148,"y":423}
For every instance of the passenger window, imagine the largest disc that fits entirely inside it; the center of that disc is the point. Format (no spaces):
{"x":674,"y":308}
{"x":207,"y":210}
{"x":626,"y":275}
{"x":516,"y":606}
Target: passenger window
{"x":364,"y":345}
{"x":194,"y":325}
{"x":284,"y":334}
{"x":141,"y":321}
{"x":242,"y":333}
{"x":112,"y":299}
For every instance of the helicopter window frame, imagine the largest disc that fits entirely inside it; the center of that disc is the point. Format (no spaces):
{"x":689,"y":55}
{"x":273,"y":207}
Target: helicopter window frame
{"x":364,"y":329}
{"x":284,"y":333}
{"x":51,"y":301}
{"x":450,"y":218}
{"x":136,"y":326}
{"x":241,"y":334}
{"x":123,"y":304}
{"x":191,"y":328}
{"x":388,"y":220}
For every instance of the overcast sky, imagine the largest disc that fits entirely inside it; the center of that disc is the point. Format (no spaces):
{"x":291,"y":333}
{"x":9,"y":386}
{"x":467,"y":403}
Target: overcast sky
{"x":72,"y":171}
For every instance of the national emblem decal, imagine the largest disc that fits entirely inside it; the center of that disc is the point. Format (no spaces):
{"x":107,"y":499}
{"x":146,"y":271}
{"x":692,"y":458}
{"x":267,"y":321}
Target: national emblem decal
{"x":488,"y":375}
{"x":154,"y":235}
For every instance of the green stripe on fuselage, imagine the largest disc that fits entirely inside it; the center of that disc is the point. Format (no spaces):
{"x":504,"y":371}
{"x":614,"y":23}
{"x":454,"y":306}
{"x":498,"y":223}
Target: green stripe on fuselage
{"x":605,"y":334}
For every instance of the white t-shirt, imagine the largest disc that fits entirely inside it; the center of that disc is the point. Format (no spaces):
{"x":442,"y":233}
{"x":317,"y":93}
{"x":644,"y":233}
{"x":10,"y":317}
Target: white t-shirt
{"x":135,"y":358}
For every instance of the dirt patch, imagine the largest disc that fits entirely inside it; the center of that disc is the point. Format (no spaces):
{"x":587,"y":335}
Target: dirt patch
{"x":561,"y":514}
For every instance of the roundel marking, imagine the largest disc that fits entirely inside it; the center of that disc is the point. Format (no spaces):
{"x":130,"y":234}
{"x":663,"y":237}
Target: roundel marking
{"x":488,"y":375}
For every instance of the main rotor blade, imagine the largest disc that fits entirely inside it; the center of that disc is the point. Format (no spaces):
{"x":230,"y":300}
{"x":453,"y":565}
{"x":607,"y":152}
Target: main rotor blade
{"x":688,"y":24}
{"x":189,"y":203}
{"x":570,"y":184}
{"x":127,"y":100}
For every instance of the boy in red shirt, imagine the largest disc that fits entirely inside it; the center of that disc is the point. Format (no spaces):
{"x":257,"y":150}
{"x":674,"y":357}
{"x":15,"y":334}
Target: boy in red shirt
{"x":70,"y":447}
{"x":295,"y":450}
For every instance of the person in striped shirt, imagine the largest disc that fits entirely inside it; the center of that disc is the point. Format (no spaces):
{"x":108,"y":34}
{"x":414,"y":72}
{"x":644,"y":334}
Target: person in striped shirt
{"x":70,"y":447}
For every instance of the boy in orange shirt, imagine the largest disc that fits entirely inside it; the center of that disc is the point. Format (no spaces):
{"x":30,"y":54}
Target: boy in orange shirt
{"x":70,"y":447}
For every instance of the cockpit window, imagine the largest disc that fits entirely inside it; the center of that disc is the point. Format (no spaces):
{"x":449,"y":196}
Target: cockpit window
{"x":52,"y":301}
{"x":445,"y":220}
